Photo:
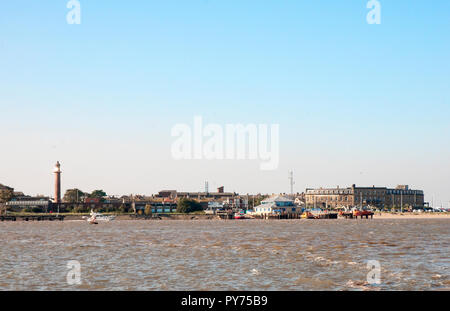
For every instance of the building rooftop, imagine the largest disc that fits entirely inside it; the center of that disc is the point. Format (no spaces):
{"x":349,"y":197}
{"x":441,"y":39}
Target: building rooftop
{"x":277,"y":198}
{"x":3,"y":187}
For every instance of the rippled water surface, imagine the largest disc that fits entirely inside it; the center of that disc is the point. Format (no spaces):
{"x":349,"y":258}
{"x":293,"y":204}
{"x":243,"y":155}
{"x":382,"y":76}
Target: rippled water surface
{"x":226,"y":255}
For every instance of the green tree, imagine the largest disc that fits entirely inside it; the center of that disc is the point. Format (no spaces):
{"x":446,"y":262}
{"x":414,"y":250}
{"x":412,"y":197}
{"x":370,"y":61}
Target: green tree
{"x":188,"y":206}
{"x":6,"y":195}
{"x":73,"y":196}
{"x":97,"y":194}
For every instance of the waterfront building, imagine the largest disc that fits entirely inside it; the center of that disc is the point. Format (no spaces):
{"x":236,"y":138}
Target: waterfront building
{"x":157,"y":205}
{"x":238,"y":202}
{"x":213,"y":206}
{"x":380,"y":197}
{"x":403,"y":196}
{"x":276,"y":205}
{"x":42,"y":204}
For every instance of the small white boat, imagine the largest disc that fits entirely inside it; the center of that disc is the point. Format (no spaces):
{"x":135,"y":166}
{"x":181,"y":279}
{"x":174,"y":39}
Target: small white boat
{"x":95,"y":217}
{"x":240,"y":215}
{"x":93,"y":220}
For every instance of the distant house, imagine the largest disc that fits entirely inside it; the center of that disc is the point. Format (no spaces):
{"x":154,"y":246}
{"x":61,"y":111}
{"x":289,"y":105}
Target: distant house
{"x":236,"y":202}
{"x":157,"y":206}
{"x":276,"y":205}
{"x":213,"y":206}
{"x":174,"y":194}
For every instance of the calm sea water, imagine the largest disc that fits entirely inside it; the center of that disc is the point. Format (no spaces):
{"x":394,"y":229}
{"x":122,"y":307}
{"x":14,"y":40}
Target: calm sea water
{"x":226,"y":255}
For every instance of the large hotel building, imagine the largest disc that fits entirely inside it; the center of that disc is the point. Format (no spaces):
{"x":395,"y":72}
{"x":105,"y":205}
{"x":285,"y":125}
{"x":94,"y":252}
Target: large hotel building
{"x":399,"y":197}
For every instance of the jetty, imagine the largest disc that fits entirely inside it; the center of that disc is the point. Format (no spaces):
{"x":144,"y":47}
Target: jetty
{"x":225,"y":214}
{"x":353,"y":215}
{"x":281,"y":216}
{"x":31,"y":218}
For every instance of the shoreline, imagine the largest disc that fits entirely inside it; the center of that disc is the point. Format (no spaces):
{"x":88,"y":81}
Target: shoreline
{"x":383,"y":215}
{"x":377,"y":215}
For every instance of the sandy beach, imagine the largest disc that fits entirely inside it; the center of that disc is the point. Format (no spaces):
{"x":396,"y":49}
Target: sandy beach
{"x":412,"y":216}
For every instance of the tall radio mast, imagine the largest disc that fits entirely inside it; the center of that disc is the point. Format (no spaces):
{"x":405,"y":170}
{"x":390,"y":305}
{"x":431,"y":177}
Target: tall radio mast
{"x":291,"y":181}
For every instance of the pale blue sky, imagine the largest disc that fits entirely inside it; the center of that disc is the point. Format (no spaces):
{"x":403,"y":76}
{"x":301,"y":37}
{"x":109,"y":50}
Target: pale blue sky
{"x":356,"y":103}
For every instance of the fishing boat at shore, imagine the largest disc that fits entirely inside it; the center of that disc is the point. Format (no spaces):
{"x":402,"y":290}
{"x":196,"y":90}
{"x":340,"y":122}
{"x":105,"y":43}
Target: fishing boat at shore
{"x":362,"y":213}
{"x":240,"y":215}
{"x":318,"y":214}
{"x":307,"y":215}
{"x":356,"y":212}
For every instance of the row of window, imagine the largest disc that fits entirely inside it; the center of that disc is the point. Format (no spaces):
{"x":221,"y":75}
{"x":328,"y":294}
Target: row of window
{"x":329,"y":192}
{"x":419,"y":192}
{"x":311,"y":199}
{"x":269,"y":209}
{"x":28,"y":203}
{"x":346,"y":198}
{"x":372,"y":192}
{"x":161,"y":210}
